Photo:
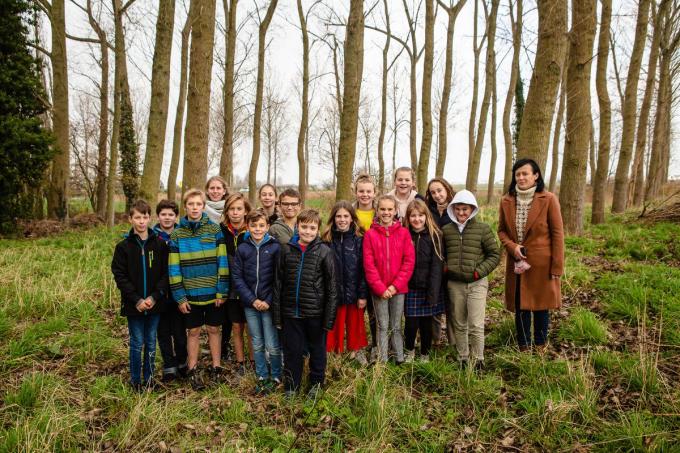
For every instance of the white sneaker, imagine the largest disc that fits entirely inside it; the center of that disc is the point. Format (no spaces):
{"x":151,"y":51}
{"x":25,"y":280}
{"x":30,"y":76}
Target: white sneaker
{"x":409,"y":356}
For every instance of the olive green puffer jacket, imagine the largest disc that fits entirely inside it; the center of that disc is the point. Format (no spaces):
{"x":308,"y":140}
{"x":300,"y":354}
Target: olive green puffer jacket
{"x":472,"y":254}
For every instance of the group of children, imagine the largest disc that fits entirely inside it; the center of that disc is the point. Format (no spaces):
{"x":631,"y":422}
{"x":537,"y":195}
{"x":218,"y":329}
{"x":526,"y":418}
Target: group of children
{"x":302,"y":290}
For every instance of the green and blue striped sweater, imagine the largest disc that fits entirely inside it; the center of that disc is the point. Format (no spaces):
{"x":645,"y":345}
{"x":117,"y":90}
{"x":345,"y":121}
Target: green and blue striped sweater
{"x":197,"y":265}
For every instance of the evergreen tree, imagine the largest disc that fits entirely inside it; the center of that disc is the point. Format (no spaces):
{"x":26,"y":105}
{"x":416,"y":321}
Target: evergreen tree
{"x":24,"y":143}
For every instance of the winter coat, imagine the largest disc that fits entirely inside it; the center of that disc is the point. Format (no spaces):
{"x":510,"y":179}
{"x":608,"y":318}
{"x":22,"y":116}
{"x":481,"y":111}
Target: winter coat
{"x":232,"y":239}
{"x":349,"y":265}
{"x":281,"y":232}
{"x":197,"y":266}
{"x":472,"y":252}
{"x":140,"y":269}
{"x":429,"y":268}
{"x":305,"y":285}
{"x":403,"y":205}
{"x":161,"y":233}
{"x":544,"y":242}
{"x":254,"y":266}
{"x":440,"y":219}
{"x":389,"y":258}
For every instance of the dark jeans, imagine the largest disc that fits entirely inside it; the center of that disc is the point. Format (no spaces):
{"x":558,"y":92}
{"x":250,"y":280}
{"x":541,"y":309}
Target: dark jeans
{"x":411,"y":327}
{"x":296,"y":333}
{"x":371,"y":322}
{"x":172,"y":339}
{"x":142,"y":330}
{"x":523,"y":322}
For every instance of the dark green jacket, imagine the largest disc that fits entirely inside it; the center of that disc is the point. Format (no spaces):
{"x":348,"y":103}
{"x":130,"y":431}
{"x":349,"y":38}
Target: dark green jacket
{"x":472,"y":254}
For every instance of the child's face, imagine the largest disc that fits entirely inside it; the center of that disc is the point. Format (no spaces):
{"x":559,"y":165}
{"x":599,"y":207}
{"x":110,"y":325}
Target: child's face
{"x":403,"y":182}
{"x":417,"y":220}
{"x":438,"y":192}
{"x":365,"y":194}
{"x":462,"y":211}
{"x":167,"y":218}
{"x":194,"y":207}
{"x":236,"y":212}
{"x":216,"y":190}
{"x":307,"y":232}
{"x":290,"y":207}
{"x":386,"y":211}
{"x":258,"y":229}
{"x":267,"y":197}
{"x":140,"y":221}
{"x":343,"y":219}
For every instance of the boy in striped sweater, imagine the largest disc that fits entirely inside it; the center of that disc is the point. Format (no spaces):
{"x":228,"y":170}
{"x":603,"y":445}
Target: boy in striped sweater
{"x":199,"y":280}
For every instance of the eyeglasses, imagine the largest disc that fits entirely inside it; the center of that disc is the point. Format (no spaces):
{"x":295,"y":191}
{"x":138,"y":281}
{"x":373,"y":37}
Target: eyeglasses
{"x":289,"y":204}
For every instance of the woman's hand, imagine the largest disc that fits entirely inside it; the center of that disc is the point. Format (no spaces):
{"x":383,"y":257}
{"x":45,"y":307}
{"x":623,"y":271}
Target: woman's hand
{"x":517,"y":253}
{"x":361,"y":303}
{"x":554,"y":277}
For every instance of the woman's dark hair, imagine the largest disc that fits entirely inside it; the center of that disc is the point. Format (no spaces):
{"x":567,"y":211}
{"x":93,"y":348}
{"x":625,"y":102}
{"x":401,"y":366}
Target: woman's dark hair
{"x":540,"y":185}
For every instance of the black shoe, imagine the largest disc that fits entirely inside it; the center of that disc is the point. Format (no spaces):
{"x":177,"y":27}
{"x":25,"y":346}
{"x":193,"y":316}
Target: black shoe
{"x":314,"y":392}
{"x":227,"y":354}
{"x":240,"y":369}
{"x":479,"y":365}
{"x":463,"y":364}
{"x":136,"y":387}
{"x":215,"y":374}
{"x":195,"y":379}
{"x":183,"y":371}
{"x":169,"y":377}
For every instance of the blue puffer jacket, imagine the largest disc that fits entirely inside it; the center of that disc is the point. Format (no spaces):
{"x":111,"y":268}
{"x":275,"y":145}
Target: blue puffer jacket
{"x":349,"y":262}
{"x":253,"y":269}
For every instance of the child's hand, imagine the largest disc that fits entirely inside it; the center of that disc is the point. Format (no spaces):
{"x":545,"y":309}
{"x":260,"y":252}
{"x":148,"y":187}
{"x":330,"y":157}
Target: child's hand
{"x":149,"y":303}
{"x":361,"y":303}
{"x":387,"y":294}
{"x":141,"y":305}
{"x":185,"y":307}
{"x":392,"y":290}
{"x":219,"y":302}
{"x":264,"y":306}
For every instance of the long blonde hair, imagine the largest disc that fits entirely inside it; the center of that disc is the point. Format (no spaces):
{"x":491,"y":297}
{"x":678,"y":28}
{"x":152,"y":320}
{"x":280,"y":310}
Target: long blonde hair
{"x":435,"y":233}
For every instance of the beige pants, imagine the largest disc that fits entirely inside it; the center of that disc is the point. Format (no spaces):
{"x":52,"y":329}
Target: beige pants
{"x":467,"y":304}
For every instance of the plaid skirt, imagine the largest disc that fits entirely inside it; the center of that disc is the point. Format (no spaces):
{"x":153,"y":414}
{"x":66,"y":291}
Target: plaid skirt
{"x":415,"y":304}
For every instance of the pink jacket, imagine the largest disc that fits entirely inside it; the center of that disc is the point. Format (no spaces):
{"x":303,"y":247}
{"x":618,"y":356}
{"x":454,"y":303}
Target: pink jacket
{"x":389,"y":258}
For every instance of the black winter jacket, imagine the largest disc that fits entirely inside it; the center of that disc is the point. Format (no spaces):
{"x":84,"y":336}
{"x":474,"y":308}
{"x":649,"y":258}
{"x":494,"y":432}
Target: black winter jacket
{"x":349,"y":264}
{"x":306,"y":284}
{"x":232,"y":240}
{"x":254,"y":268}
{"x":140,"y":269}
{"x":429,"y":269}
{"x":440,"y":219}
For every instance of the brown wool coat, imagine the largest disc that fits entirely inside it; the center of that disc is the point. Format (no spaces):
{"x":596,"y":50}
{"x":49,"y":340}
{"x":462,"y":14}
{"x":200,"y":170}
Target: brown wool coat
{"x":544,"y":241}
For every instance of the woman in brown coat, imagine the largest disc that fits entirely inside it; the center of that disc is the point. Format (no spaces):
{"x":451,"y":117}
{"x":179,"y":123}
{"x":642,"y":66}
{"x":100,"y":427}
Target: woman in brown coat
{"x":530,"y":228}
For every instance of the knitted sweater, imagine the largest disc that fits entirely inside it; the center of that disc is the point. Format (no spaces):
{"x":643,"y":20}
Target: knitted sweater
{"x":524,"y":200}
{"x":197,"y":265}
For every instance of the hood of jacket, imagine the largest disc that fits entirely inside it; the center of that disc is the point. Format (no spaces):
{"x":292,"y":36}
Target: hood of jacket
{"x":462,"y":197}
{"x":247,"y":237}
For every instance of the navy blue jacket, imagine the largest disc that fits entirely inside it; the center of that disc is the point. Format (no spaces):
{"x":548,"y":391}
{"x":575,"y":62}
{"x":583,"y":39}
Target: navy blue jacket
{"x":349,"y":265}
{"x":254,"y":266}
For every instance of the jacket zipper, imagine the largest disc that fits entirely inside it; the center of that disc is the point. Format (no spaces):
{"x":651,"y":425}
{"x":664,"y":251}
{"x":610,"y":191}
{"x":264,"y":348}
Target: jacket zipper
{"x":257,"y":269}
{"x":387,"y":246}
{"x":297,"y":287}
{"x":141,"y":245}
{"x":460,"y":252}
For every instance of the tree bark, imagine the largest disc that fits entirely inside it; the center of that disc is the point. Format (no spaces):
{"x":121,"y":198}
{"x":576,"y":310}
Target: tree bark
{"x":305,"y":105}
{"x":181,"y":105}
{"x":160,"y":95}
{"x":227,"y":159}
{"x":516,"y":26}
{"x":472,"y":122}
{"x":545,"y":79}
{"x":57,"y":195}
{"x":426,"y":102}
{"x":579,"y":117}
{"x":494,"y":147}
{"x":383,"y":101}
{"x":414,"y":56}
{"x":603,"y":149}
{"x":198,"y":97}
{"x":354,"y":62}
{"x":629,"y":108}
{"x":257,"y":116}
{"x":554,"y":168}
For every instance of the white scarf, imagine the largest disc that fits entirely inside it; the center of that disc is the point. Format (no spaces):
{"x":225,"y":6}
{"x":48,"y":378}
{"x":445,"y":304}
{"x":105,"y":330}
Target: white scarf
{"x":214,"y":210}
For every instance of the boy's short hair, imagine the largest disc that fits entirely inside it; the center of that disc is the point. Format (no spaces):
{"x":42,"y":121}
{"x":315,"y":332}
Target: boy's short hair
{"x":290,"y":193}
{"x":140,"y":206}
{"x":309,"y":216}
{"x":255,"y":215}
{"x":193,"y":193}
{"x":167,"y":204}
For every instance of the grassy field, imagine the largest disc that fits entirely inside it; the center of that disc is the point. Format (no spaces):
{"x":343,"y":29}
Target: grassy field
{"x":608,"y":383}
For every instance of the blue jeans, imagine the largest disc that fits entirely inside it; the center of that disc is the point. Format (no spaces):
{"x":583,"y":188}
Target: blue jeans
{"x":264,"y":336}
{"x":142,"y":331}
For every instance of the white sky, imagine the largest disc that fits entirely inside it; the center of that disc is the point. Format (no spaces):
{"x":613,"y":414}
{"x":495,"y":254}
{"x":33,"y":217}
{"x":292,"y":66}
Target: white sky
{"x":284,"y":56}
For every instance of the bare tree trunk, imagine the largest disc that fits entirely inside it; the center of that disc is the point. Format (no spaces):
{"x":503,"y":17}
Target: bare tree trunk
{"x":160,"y":96}
{"x":452,"y":13}
{"x":603,"y":149}
{"x":629,"y":107}
{"x":516,"y":26}
{"x":227,"y":159}
{"x":475,"y":158}
{"x":637,"y":184}
{"x":494,"y":147}
{"x":579,"y":117}
{"x":57,"y":195}
{"x":426,"y":102}
{"x":545,"y":80}
{"x":383,"y":101}
{"x":414,"y":56}
{"x":472,"y":122}
{"x":354,"y":63}
{"x":181,"y":105}
{"x":257,"y":116}
{"x":305,"y":104}
{"x":198,"y":97}
{"x":554,"y":168}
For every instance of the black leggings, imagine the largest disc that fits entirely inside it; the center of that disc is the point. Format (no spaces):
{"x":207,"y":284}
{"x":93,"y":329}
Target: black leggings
{"x":415,"y":324}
